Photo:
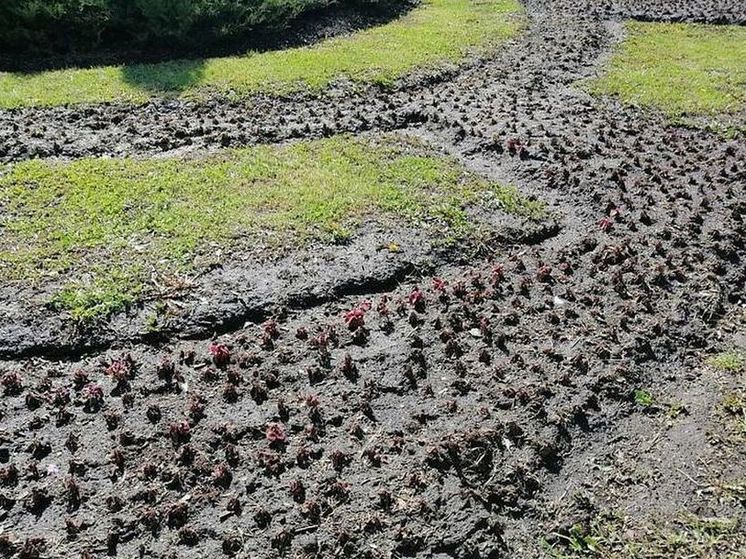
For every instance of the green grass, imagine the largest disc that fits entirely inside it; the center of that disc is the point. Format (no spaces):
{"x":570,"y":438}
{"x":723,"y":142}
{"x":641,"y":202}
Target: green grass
{"x":689,"y":536}
{"x":438,"y":31}
{"x":681,"y":69}
{"x":644,"y":398}
{"x":729,"y":361}
{"x":102,"y":227}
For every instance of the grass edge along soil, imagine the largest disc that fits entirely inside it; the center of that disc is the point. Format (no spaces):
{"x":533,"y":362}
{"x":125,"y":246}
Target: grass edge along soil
{"x":438,"y":32}
{"x":103,"y":223}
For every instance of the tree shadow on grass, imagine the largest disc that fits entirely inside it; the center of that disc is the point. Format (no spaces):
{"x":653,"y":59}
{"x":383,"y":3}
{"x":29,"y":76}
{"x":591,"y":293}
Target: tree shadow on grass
{"x":174,"y":76}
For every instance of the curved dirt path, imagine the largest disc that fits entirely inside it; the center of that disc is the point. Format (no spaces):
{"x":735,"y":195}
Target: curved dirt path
{"x":469,"y":424}
{"x":168,"y":126}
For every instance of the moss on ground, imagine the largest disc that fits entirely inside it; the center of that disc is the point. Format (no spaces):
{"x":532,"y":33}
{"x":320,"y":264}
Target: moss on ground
{"x":438,"y":31}
{"x":729,"y":361}
{"x":106,"y":224}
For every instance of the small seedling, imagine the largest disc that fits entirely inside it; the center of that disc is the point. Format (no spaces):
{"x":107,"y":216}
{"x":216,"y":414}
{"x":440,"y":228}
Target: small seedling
{"x":644,"y":398}
{"x":222,"y":476}
{"x":80,"y":379}
{"x":605,"y":224}
{"x":121,"y":368}
{"x":355,"y":318}
{"x":12,"y":383}
{"x":179,"y":431}
{"x":417,"y":299}
{"x":93,"y":397}
{"x":275,"y":433}
{"x":221,"y":355}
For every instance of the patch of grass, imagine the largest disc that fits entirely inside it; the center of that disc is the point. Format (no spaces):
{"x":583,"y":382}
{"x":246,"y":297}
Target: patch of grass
{"x":103,"y":294}
{"x":439,"y":31}
{"x":682,"y":69}
{"x":729,"y":361}
{"x":734,"y":408}
{"x":614,"y":537}
{"x":644,"y":398}
{"x":101,"y":223}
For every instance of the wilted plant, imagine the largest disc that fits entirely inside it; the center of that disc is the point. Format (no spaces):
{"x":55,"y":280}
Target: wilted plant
{"x":544,"y":273}
{"x":80,"y":379}
{"x":117,"y":458}
{"x":282,"y":539}
{"x":271,"y":328}
{"x":177,"y":514}
{"x":232,"y":454}
{"x":222,"y":476}
{"x":61,"y":397}
{"x":230,"y":392}
{"x":9,"y":475}
{"x":166,"y":370}
{"x":339,"y":459}
{"x":297,"y":490}
{"x":179,"y":431}
{"x":459,"y":289}
{"x":234,"y":505}
{"x":312,"y":510}
{"x":112,"y":420}
{"x":12,"y":383}
{"x":73,"y":493}
{"x":258,"y":392}
{"x":196,"y":407}
{"x":348,"y":367}
{"x":153,"y":413}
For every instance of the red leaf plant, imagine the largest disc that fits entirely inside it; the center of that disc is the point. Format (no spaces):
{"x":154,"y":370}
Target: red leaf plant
{"x":221,"y":355}
{"x":275,"y":433}
{"x":355,"y":318}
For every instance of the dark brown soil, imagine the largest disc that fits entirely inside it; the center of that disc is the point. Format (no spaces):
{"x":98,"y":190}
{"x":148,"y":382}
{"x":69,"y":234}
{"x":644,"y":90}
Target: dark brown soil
{"x":473,"y":404}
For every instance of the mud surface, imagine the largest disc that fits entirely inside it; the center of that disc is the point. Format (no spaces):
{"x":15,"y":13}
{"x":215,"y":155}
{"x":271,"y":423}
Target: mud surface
{"x":703,"y":11}
{"x":488,"y":400}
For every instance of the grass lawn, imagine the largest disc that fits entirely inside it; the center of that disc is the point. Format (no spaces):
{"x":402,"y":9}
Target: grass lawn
{"x":436,"y":32}
{"x":682,"y":69}
{"x":101,"y":227}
